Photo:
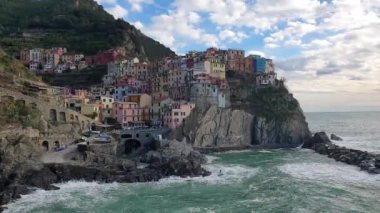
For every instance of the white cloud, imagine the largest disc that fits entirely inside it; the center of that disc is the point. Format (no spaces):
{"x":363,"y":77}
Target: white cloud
{"x":138,"y":25}
{"x":137,"y":5}
{"x":256,"y":52}
{"x":177,"y":28}
{"x":117,"y":11}
{"x":106,"y":1}
{"x":346,"y":62}
{"x":232,"y":36}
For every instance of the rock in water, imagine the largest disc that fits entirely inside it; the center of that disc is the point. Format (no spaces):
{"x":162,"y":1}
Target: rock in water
{"x":177,"y":159}
{"x":319,"y":138}
{"x":335,"y":137}
{"x":321,"y":144}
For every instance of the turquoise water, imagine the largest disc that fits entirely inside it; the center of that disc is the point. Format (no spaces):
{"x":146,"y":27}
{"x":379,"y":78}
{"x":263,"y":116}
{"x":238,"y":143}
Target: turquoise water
{"x":252,"y":181}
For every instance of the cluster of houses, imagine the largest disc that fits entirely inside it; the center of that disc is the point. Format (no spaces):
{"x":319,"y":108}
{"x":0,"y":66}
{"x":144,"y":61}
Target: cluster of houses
{"x":59,"y":60}
{"x":138,"y":93}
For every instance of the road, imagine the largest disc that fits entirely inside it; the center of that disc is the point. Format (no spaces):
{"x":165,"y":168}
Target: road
{"x":58,"y":157}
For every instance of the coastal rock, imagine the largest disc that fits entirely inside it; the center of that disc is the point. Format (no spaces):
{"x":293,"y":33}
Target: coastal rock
{"x":176,"y":159}
{"x":319,"y":138}
{"x":228,"y":128}
{"x":18,"y":154}
{"x":321,"y":144}
{"x":335,"y":137}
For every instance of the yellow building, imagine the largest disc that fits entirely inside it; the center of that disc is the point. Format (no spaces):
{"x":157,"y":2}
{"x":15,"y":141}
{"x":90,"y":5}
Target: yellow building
{"x":218,"y":70}
{"x":91,"y":110}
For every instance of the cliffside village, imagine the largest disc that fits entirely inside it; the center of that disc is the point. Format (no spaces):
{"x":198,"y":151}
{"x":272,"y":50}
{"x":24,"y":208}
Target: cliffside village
{"x":162,"y":93}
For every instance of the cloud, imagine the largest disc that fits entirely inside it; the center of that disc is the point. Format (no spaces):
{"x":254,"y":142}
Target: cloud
{"x":255,"y":52}
{"x":106,"y":1}
{"x":178,"y":28}
{"x":356,"y":78}
{"x":137,"y":5}
{"x":232,"y":36}
{"x":117,"y":11}
{"x":138,"y":25}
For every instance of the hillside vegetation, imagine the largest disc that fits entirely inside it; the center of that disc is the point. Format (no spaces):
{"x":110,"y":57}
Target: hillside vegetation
{"x":273,"y":103}
{"x":85,"y":27}
{"x":10,"y":67}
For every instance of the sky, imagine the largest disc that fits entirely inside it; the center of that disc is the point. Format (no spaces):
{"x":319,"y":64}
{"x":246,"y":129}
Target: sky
{"x":327,"y":50}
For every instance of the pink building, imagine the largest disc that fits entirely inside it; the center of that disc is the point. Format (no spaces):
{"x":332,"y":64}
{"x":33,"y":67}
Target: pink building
{"x":127,"y":113}
{"x":177,"y":114}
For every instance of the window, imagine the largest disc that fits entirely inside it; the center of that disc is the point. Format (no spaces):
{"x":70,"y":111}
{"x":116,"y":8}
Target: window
{"x":147,"y":135}
{"x":137,"y":135}
{"x":126,"y":136}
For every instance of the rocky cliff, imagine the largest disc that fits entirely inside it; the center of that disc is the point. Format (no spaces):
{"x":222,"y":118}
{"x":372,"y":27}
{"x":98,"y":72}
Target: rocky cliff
{"x":258,"y":117}
{"x":232,"y":128}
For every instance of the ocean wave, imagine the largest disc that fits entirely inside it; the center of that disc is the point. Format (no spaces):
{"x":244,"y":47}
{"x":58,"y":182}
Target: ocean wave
{"x":211,"y":158}
{"x":220,"y":174}
{"x":235,"y":151}
{"x":265,"y":151}
{"x":329,"y":172}
{"x":67,"y":194}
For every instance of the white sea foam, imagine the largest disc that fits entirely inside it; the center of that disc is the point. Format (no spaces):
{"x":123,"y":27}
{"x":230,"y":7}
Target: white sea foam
{"x":220,"y":174}
{"x":235,"y":151}
{"x":211,"y":158}
{"x":67,"y":194}
{"x":265,"y":151}
{"x":329,"y":172}
{"x":94,"y":192}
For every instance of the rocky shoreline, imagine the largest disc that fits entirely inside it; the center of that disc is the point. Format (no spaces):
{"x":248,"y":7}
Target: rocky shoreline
{"x":174,"y":159}
{"x":321,"y":144}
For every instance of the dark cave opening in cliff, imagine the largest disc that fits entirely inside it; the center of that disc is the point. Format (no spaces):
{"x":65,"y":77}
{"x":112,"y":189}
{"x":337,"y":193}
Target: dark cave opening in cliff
{"x":131,"y":146}
{"x":45,"y":144}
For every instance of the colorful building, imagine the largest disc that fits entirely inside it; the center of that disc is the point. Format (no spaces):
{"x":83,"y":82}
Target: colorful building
{"x":259,"y":64}
{"x":92,"y":110}
{"x":129,"y":113}
{"x":218,"y":69}
{"x":177,"y":113}
{"x":106,"y":107}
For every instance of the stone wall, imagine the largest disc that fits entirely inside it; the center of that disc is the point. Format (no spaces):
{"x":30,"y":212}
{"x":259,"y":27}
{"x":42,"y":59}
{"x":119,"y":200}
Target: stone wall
{"x":49,"y":107}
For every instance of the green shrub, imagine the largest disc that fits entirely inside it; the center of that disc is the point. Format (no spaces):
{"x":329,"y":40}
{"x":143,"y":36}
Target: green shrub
{"x":17,"y":112}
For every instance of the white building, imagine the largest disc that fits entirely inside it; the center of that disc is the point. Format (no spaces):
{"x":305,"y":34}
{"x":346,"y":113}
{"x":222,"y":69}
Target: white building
{"x":36,"y":54}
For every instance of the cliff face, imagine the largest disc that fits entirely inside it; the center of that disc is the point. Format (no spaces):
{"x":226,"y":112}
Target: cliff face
{"x":231,"y":128}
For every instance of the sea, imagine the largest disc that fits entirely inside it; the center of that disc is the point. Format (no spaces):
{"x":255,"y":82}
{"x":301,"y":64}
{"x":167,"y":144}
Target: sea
{"x":246,"y":181}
